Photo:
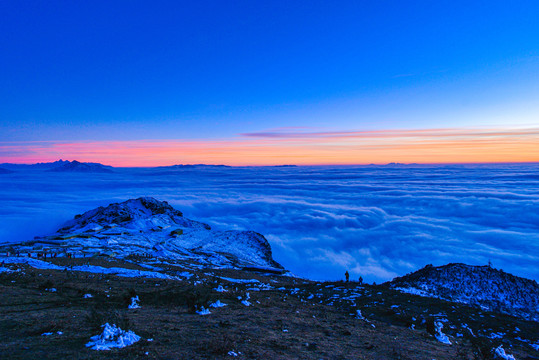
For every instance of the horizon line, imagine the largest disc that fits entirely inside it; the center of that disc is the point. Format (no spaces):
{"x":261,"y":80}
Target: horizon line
{"x":286,"y":165}
{"x":419,"y":146}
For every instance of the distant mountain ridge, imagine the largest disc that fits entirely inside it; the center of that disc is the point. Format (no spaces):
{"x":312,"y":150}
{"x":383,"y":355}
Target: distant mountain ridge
{"x":59,"y":166}
{"x":76,"y":166}
{"x":482,"y":286}
{"x":41,"y":166}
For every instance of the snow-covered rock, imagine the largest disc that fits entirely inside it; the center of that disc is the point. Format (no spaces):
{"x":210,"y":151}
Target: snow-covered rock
{"x":149,"y":228}
{"x":481,"y":286}
{"x":440,"y":336}
{"x":203,"y":311}
{"x":217,"y":304}
{"x":112,"y":337}
{"x":499,"y":353}
{"x":220,"y":288}
{"x":134,"y":303}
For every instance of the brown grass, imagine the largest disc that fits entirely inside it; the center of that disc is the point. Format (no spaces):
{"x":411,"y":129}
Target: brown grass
{"x":278,"y":325}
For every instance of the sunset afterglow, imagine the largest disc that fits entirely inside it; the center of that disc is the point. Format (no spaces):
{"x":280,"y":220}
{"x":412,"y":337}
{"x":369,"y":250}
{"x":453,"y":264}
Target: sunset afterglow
{"x":301,"y":148}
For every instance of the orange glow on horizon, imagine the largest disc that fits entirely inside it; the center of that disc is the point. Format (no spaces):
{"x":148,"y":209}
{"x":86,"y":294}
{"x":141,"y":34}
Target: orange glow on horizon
{"x":329,"y":148}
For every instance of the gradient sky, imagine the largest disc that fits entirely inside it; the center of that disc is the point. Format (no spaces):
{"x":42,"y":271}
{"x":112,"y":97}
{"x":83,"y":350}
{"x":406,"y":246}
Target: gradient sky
{"x":133,"y":83}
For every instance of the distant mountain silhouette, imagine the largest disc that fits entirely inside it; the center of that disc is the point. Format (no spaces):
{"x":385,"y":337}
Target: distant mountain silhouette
{"x":37,"y":166}
{"x":76,"y":166}
{"x":190,"y":166}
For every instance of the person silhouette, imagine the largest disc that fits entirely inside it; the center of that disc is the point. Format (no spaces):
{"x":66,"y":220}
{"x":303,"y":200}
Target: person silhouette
{"x":347,"y":275}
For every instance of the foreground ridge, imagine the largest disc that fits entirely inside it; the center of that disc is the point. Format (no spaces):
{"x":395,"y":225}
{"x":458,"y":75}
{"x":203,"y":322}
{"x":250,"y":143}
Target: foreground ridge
{"x":481,"y":286}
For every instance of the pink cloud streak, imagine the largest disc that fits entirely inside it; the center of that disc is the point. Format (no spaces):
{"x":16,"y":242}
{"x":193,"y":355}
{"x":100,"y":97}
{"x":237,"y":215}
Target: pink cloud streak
{"x":282,"y":147}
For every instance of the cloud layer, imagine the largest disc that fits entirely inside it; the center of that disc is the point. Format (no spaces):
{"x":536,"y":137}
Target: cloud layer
{"x":374,"y":221}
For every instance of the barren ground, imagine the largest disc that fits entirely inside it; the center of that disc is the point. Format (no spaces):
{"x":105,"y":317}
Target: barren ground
{"x":289,"y":323}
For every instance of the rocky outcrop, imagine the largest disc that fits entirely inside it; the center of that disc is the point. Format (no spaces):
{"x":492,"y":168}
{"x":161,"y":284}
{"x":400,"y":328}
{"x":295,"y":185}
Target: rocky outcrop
{"x":482,"y":286}
{"x":123,"y":213}
{"x":146,"y":225}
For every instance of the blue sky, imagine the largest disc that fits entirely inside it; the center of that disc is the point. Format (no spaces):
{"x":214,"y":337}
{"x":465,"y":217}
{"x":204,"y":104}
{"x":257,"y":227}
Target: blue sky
{"x":96,"y":71}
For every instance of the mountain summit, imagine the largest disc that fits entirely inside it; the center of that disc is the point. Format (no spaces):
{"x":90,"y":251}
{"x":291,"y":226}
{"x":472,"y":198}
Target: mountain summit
{"x":481,"y":286}
{"x":76,"y":166}
{"x":157,"y":230}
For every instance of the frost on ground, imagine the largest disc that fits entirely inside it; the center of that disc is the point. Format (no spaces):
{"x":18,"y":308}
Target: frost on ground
{"x":134,"y":303}
{"x":39,"y":264}
{"x":499,"y":353}
{"x":50,"y":333}
{"x":440,"y":336}
{"x":413,"y":291}
{"x":112,"y":337}
{"x":240,"y":281}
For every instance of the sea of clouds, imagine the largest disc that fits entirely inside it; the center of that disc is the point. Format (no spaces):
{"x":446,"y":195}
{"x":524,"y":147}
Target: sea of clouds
{"x":377,"y":222}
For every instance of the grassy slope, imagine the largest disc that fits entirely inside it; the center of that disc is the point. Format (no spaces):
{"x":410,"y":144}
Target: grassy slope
{"x":280,"y":324}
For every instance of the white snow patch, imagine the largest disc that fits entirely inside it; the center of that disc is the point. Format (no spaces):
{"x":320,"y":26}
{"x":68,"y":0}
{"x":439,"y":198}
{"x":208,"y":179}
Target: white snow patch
{"x":413,"y":291}
{"x":87,"y":296}
{"x":203,"y":311}
{"x":246,"y":302}
{"x":440,"y":336}
{"x":134,"y":303}
{"x":499,"y":352}
{"x":240,"y":281}
{"x":465,"y":326}
{"x":220,"y":288}
{"x":185,"y":274}
{"x":39,"y":264}
{"x":218,"y":304}
{"x":112,"y":337}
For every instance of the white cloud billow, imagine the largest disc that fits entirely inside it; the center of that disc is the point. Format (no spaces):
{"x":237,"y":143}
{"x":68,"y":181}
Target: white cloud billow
{"x":374,"y":221}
